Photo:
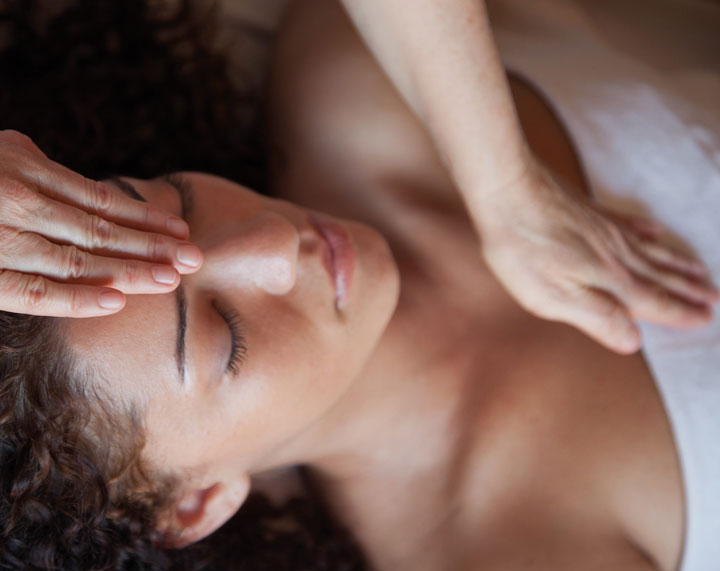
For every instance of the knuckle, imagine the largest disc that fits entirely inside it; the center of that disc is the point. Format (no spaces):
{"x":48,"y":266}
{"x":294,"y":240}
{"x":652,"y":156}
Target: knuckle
{"x":34,"y":291}
{"x":21,"y":203}
{"x":147,"y":214}
{"x":18,"y":192}
{"x":157,"y":247}
{"x":75,"y":262}
{"x":75,"y":301}
{"x":101,"y":197}
{"x":132,"y":272}
{"x":13,"y":136}
{"x":10,"y":138}
{"x":101,"y":232}
{"x":11,"y":246}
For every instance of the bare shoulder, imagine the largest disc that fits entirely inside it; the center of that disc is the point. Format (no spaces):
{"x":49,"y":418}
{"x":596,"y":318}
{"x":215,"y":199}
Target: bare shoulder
{"x":339,"y":131}
{"x":343,"y":140}
{"x":597,"y":476}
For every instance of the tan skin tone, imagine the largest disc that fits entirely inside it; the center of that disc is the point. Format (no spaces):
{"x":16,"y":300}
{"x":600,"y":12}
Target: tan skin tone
{"x":559,"y":257}
{"x":72,"y":247}
{"x":571,"y":428}
{"x":263,"y":263}
{"x":491,"y":439}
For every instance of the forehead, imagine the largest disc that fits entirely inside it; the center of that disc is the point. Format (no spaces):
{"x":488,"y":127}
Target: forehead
{"x":137,"y":342}
{"x":134,"y":349}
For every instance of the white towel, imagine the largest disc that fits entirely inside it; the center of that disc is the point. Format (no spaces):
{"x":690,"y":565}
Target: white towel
{"x":646,"y":119}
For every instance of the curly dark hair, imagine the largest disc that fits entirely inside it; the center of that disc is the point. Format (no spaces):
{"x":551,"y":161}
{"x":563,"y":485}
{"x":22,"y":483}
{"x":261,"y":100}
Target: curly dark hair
{"x":58,"y":509}
{"x":133,"y":87}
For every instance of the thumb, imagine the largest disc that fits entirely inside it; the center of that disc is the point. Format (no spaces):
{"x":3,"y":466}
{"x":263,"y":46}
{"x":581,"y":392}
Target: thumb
{"x":602,"y":317}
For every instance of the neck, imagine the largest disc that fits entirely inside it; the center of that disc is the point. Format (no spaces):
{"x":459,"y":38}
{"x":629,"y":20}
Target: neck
{"x":396,"y":417}
{"x":405,"y":410}
{"x":379,"y":421}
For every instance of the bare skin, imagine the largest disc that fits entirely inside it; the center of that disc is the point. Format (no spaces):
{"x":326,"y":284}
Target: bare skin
{"x":528,"y":446}
{"x":557,"y":255}
{"x":72,"y":247}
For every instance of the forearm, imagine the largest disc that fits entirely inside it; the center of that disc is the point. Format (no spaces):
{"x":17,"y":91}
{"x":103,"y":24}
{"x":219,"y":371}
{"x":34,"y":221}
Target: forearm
{"x":442,"y":58}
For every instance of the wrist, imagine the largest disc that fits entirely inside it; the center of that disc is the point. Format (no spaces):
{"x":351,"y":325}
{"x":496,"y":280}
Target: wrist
{"x":490,"y":200}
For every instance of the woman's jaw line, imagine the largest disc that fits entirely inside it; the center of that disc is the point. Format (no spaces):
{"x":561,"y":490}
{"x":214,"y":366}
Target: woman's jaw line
{"x":353,"y":434}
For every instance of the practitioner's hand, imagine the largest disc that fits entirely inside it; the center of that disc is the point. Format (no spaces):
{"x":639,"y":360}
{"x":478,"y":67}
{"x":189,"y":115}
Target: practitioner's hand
{"x":54,"y":224}
{"x":565,"y":260}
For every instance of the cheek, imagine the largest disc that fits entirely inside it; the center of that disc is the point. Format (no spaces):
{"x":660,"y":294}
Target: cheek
{"x":291,"y":377}
{"x":298,"y":363}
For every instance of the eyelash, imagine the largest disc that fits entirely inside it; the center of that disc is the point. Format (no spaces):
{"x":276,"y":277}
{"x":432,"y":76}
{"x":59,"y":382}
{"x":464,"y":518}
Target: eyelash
{"x":238,"y":348}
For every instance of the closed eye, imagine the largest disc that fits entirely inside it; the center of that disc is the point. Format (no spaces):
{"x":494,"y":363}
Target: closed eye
{"x":238,"y":346}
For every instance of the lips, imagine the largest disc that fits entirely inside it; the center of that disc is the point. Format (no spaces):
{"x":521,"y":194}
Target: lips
{"x":339,"y":260}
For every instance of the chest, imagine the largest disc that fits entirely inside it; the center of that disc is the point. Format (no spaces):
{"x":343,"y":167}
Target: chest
{"x":534,"y":541}
{"x":548,"y":551}
{"x":556,"y":464}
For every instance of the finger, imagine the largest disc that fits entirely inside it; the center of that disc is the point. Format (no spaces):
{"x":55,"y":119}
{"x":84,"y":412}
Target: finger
{"x":603,"y":318}
{"x":35,"y":255}
{"x":646,"y":227}
{"x":95,"y":234}
{"x":651,"y":302}
{"x":672,"y":280}
{"x":103,"y":199}
{"x":664,"y":256}
{"x":36,"y":295}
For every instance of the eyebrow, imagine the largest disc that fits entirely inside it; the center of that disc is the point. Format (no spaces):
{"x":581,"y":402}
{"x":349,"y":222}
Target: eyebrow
{"x":177,"y":181}
{"x":127,"y":188}
{"x":183,"y":189}
{"x":181,"y":301}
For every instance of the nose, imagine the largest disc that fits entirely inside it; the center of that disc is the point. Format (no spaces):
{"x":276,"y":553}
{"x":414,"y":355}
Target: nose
{"x":260,"y":252}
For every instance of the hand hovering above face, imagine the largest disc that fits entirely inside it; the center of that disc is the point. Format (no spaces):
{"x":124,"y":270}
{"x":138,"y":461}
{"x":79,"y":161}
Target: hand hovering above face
{"x":564,"y":259}
{"x":72,"y":247}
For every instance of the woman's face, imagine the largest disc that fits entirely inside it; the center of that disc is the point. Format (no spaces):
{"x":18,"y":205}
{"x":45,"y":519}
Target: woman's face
{"x":252,"y":349}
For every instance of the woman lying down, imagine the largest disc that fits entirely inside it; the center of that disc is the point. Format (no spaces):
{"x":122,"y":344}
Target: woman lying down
{"x":352,"y":330}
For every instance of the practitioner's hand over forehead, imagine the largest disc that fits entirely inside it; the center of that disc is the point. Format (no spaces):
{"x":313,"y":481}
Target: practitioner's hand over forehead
{"x":71,"y":246}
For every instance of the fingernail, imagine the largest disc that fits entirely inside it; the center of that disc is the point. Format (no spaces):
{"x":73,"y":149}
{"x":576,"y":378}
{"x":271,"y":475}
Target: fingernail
{"x":111,"y":300}
{"x":189,"y":255}
{"x":164,"y":275}
{"x":178,"y":227}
